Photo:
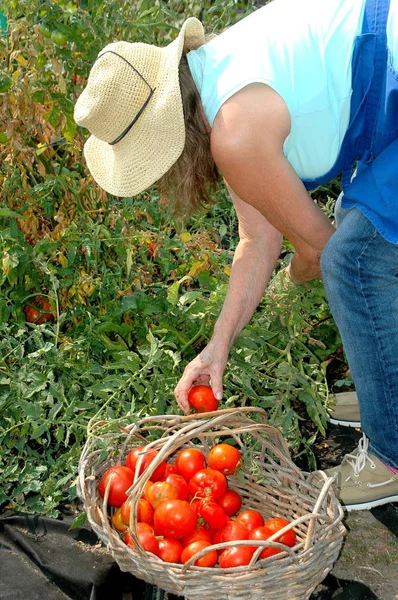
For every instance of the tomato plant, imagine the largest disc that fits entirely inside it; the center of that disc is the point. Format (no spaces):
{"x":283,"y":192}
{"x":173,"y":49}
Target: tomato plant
{"x":207,"y":560}
{"x":208,"y":482}
{"x":38,"y":311}
{"x":119,"y":478}
{"x":148,"y":457}
{"x":170,"y":550}
{"x":175,"y":519}
{"x":236,"y":556}
{"x":231,"y":502}
{"x":224,"y":458}
{"x":250,"y":519}
{"x":189,"y":461}
{"x":202,"y":399}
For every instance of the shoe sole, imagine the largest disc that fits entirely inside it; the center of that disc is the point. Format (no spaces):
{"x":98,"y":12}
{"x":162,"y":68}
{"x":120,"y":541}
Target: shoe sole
{"x":371,"y":504}
{"x":344,"y":423}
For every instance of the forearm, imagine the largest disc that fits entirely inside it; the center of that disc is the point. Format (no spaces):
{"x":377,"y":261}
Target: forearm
{"x":253,"y":264}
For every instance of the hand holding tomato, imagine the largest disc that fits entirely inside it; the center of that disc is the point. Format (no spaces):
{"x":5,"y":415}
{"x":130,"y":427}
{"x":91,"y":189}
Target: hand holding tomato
{"x":202,"y":399}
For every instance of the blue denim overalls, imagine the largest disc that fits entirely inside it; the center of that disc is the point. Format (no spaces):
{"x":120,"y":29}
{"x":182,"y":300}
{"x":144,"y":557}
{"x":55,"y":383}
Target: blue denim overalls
{"x":360,"y":261}
{"x":372,"y":136}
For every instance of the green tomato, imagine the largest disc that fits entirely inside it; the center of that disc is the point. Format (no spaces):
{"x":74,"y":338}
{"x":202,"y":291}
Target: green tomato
{"x":58,"y":37}
{"x":5,"y":82}
{"x":46,"y":31}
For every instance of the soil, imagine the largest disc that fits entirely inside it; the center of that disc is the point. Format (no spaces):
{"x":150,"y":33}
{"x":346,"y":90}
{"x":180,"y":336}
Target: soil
{"x":368,"y":563}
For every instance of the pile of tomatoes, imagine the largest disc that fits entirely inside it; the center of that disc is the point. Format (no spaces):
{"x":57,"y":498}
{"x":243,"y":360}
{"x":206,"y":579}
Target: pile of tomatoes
{"x":187,"y":507}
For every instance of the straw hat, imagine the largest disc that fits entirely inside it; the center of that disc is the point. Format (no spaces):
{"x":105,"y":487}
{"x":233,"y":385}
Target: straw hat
{"x":132,"y":106}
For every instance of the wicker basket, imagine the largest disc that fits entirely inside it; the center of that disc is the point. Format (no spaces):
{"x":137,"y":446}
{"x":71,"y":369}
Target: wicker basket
{"x":268,"y":482}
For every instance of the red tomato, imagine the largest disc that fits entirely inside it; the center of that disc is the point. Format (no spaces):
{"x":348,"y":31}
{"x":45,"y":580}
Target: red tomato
{"x":149,"y":456}
{"x":145,"y":511}
{"x":118,"y":522}
{"x":262,"y":533}
{"x":208,"y":482}
{"x":170,"y":550}
{"x":231,"y":502}
{"x":212,"y":513}
{"x":169,"y":470}
{"x":180,"y":484}
{"x":161,"y":491}
{"x":202,"y":399}
{"x":236,"y":556}
{"x":146,"y":537}
{"x":250,"y":519}
{"x":208,"y":560}
{"x":230,"y":532}
{"x":38,"y":311}
{"x":200,"y":533}
{"x":189,"y":462}
{"x":224,"y":458}
{"x":175,"y":519}
{"x":121,"y":478}
{"x":276,"y":524}
{"x":195,"y":505}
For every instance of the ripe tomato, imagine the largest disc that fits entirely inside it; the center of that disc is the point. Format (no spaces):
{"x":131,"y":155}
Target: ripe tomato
{"x":208,"y":482}
{"x":236,"y":556}
{"x":224,"y":458}
{"x":170,"y":550}
{"x":149,"y":456}
{"x":38,"y":311}
{"x":231,"y":502}
{"x":200,"y":533}
{"x":145,"y":511}
{"x":121,"y":478}
{"x":175,"y":519}
{"x":202,"y":399}
{"x":208,"y":560}
{"x":169,"y":470}
{"x":230,"y":532}
{"x":180,"y":484}
{"x":189,"y":462}
{"x":146,"y":537}
{"x":212,"y":513}
{"x":118,"y":522}
{"x":276,"y":524}
{"x":250,"y":519}
{"x":262,"y":533}
{"x":161,"y":491}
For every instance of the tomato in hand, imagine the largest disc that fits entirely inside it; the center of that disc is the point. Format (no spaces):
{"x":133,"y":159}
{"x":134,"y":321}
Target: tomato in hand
{"x":161,"y":491}
{"x":149,"y":456}
{"x":208,"y":560}
{"x":170,"y":550}
{"x":212,"y":513}
{"x":224,"y":458}
{"x":189,"y":461}
{"x":180,"y":485}
{"x":146,"y":537}
{"x":231,"y":502}
{"x":236,"y":556}
{"x":250,"y":519}
{"x":175,"y":519}
{"x":202,"y":399}
{"x":121,"y":479}
{"x":208,"y":482}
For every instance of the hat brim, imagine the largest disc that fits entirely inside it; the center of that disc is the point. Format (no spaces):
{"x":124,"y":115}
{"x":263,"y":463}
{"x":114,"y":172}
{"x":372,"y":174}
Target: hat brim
{"x":157,"y":139}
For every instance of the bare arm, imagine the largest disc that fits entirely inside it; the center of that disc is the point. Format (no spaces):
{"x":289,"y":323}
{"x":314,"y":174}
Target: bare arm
{"x":254,"y":260}
{"x":247,"y":145}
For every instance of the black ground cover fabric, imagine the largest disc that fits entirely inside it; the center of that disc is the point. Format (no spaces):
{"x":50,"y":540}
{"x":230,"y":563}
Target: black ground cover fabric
{"x":42,"y":559}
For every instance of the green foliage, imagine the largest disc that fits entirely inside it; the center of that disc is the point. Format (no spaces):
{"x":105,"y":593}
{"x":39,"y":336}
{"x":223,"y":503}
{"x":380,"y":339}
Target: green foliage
{"x":133,"y":298}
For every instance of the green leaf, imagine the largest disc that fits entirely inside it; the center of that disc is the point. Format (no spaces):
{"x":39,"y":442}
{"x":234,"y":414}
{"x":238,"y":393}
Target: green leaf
{"x":79,"y":521}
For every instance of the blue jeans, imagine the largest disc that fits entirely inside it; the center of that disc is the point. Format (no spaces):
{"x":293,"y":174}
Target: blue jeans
{"x":360,"y":274}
